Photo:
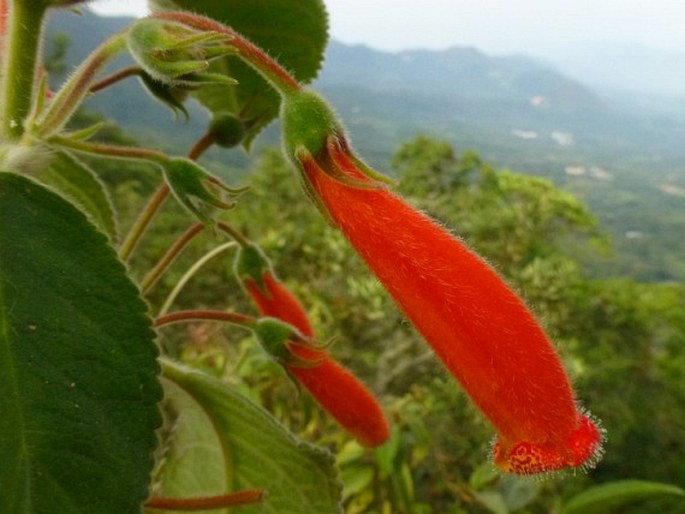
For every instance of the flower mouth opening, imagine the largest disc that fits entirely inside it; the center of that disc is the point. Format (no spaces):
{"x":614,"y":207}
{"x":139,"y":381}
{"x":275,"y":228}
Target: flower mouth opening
{"x":582,"y":449}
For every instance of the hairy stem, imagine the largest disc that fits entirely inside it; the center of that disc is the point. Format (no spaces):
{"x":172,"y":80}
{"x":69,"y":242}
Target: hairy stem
{"x":208,"y":502}
{"x":189,"y":274}
{"x":74,"y":90}
{"x":201,"y":146}
{"x":254,"y":56}
{"x":134,"y":153}
{"x":233,"y":318}
{"x":169,"y":257}
{"x":130,"y":71}
{"x":20,"y":57}
{"x":156,"y":202}
{"x":142,"y":221}
{"x":237,"y":236}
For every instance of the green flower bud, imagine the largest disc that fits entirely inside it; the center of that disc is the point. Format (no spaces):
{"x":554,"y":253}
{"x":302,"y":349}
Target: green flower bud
{"x":251,"y":263}
{"x":228,"y":130}
{"x":171,"y":96}
{"x":195,"y":188}
{"x":172,"y":53}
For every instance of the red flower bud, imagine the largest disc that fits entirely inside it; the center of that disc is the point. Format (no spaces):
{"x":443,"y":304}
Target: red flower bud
{"x":476,"y":324}
{"x":334,"y":387}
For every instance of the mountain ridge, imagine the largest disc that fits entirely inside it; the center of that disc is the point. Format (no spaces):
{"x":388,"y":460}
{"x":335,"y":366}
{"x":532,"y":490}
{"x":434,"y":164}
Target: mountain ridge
{"x":518,"y":112}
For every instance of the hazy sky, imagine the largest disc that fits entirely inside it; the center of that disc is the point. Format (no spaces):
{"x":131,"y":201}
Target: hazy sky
{"x":537,"y":27}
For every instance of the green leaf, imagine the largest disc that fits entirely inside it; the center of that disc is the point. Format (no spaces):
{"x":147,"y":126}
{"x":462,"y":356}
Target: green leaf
{"x":295,"y":32}
{"x":230,"y":444}
{"x":78,"y":368}
{"x":517,"y":491}
{"x":484,"y":475}
{"x":356,"y":478}
{"x":492,"y":501}
{"x":78,"y":183}
{"x":602,"y":498}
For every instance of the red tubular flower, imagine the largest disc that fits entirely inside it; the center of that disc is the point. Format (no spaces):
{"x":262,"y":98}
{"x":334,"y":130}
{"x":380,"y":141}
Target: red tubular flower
{"x":336,"y":389}
{"x":476,"y":324}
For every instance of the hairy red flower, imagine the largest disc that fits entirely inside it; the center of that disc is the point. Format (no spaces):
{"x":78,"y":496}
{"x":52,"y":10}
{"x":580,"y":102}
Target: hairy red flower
{"x":337,"y":390}
{"x":476,"y":324}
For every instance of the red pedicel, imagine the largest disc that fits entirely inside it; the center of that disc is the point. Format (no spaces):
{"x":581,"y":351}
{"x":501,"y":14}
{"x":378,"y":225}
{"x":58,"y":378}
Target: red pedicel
{"x":3,"y":21}
{"x":336,"y":389}
{"x":476,"y":324}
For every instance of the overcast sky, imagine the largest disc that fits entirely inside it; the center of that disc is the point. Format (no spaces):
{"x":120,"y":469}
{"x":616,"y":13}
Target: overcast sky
{"x":537,"y":27}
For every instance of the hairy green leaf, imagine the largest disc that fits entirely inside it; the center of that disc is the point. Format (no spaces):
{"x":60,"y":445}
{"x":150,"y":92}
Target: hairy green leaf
{"x":78,"y":369}
{"x":602,"y":498}
{"x":220,"y":442}
{"x":294,"y":32}
{"x":78,"y":183}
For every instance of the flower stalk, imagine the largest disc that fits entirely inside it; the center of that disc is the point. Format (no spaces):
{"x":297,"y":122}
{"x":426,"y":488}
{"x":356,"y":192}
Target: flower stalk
{"x":246,"y":497}
{"x":21,"y":24}
{"x":72,"y":93}
{"x":254,"y":56}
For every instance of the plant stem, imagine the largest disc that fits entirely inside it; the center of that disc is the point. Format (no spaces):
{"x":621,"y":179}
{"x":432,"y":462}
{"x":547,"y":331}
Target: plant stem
{"x":169,"y":257}
{"x":173,"y":252}
{"x":189,"y":274}
{"x":201,"y":146}
{"x":20,"y":57}
{"x":156,"y":202}
{"x":119,"y":152}
{"x":143,"y":220}
{"x":208,"y":502}
{"x":74,"y":90}
{"x":234,"y":318}
{"x":254,"y":56}
{"x":130,"y":71}
{"x":237,"y":236}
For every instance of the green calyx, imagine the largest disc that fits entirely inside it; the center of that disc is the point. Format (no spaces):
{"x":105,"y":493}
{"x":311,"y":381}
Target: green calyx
{"x":312,"y":131}
{"x":251,"y":264}
{"x":171,"y":96}
{"x":196,"y":189}
{"x":176,"y":54}
{"x":307,"y":120}
{"x":274,"y":335}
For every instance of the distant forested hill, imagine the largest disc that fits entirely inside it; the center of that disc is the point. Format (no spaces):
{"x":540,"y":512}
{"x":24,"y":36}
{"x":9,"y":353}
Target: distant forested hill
{"x":517,"y":111}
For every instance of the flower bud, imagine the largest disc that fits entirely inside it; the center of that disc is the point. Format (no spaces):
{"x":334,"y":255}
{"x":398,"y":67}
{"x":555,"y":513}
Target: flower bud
{"x":195,"y":188}
{"x":175,"y":54}
{"x":227,"y":130}
{"x":171,"y":96}
{"x":334,"y":387}
{"x":251,"y":265}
